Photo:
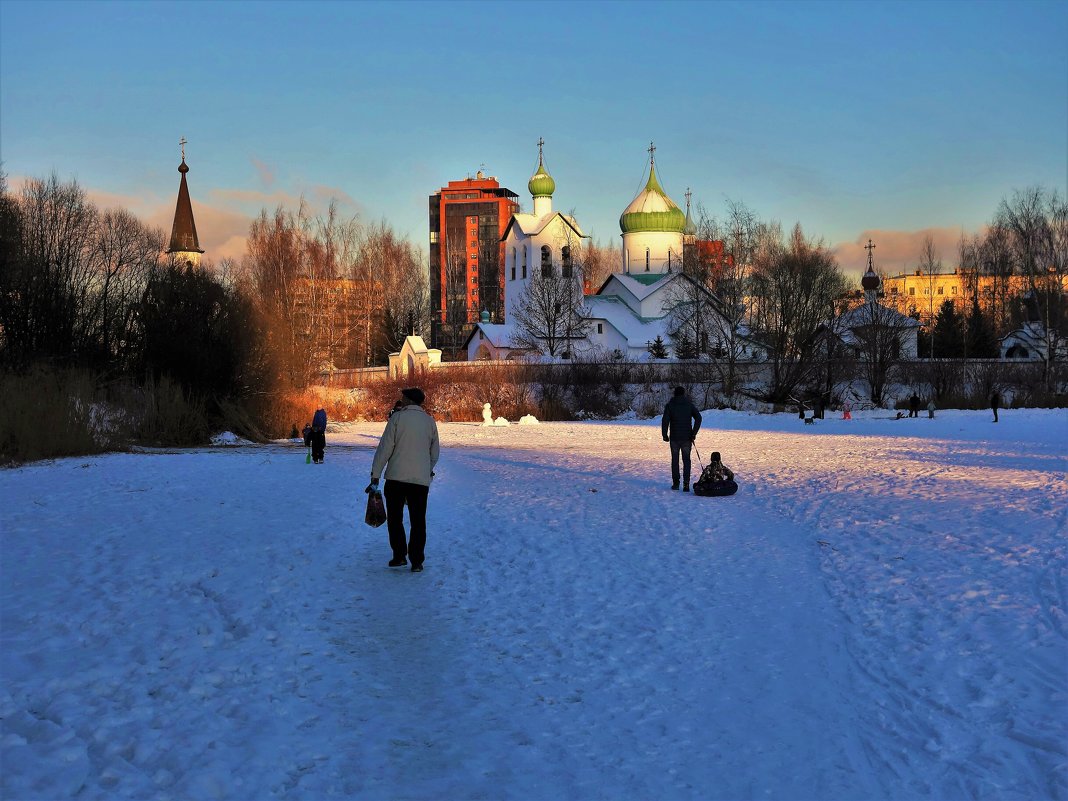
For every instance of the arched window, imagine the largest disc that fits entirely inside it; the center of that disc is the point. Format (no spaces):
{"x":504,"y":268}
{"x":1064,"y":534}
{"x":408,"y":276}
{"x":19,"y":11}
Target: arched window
{"x":546,"y":261}
{"x":513,"y":264}
{"x":524,"y":261}
{"x":647,"y":260}
{"x":565,"y":261}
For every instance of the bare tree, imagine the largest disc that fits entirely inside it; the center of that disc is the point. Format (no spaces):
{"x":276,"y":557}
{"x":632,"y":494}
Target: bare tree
{"x":549,"y":312}
{"x":1034,"y":219}
{"x":880,"y":332}
{"x":401,"y":284}
{"x":794,"y":284}
{"x":125,"y":252}
{"x":931,"y":263}
{"x":743,"y":234}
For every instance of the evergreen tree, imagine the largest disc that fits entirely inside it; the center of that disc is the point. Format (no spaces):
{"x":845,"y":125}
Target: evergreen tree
{"x":982,"y":344}
{"x":948,"y":333}
{"x":657,"y":348}
{"x":685,"y":348}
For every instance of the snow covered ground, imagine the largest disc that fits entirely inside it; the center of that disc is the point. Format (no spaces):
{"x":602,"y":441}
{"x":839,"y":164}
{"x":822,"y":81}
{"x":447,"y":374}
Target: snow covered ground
{"x":880,"y":613}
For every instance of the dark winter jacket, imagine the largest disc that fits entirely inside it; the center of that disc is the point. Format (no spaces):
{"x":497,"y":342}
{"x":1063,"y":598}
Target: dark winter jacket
{"x":319,"y":420}
{"x":678,"y":413}
{"x":717,"y":471}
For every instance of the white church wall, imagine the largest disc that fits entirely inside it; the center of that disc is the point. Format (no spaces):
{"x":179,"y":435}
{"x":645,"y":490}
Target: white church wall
{"x":659,"y":243}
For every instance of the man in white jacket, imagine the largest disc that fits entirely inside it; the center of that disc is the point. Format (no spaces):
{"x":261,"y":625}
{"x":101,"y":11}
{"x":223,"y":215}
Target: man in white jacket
{"x":408,"y":451}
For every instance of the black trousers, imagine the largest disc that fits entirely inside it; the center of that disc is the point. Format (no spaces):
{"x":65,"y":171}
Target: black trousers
{"x":397,"y":494}
{"x":318,"y":445}
{"x":680,"y":447}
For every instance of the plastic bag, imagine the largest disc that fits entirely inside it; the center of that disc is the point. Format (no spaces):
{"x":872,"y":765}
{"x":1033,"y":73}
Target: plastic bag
{"x":376,"y":510}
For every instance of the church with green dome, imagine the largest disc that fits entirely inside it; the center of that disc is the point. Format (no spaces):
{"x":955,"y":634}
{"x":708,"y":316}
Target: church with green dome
{"x":652,"y":227}
{"x":635,"y":306}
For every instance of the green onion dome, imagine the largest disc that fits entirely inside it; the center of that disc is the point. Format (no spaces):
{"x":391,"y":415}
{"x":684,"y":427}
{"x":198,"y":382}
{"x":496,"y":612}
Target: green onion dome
{"x":652,"y":210}
{"x":541,"y":184}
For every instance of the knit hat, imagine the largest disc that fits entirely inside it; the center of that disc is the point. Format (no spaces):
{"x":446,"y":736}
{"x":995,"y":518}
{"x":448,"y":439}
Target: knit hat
{"x":715,"y":456}
{"x":414,"y":394}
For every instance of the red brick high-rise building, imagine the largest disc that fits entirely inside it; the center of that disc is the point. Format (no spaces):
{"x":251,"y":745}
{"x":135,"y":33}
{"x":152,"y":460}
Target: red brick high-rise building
{"x":467,"y":220}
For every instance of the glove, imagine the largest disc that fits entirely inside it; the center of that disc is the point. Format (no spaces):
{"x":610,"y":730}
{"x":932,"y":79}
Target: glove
{"x":372,"y":487}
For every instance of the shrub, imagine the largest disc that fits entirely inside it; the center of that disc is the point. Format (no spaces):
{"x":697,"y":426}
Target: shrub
{"x":47,"y":413}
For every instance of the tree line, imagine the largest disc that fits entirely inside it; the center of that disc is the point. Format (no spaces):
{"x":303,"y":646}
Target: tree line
{"x":93,"y":288}
{"x":90,"y":288}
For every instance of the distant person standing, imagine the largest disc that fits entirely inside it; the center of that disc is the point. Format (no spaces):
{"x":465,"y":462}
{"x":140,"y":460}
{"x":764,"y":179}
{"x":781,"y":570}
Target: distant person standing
{"x":995,"y":402}
{"x":930,"y":410}
{"x":914,"y":405}
{"x":318,"y":436}
{"x":680,"y":434}
{"x":408,"y":452}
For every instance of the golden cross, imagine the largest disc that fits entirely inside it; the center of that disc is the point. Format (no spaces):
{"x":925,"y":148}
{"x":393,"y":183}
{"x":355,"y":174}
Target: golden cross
{"x":652,"y":150}
{"x":182,"y":143}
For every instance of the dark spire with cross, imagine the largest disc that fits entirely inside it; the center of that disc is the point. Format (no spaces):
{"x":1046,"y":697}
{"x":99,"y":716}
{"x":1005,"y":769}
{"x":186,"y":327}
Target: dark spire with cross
{"x":870,"y":281}
{"x":184,"y":231}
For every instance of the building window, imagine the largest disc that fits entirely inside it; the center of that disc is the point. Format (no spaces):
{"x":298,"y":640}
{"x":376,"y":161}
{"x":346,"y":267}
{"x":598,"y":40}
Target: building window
{"x":941,"y":290}
{"x":927,"y":291}
{"x":565,"y":261}
{"x":474,"y":280}
{"x":893,"y":290}
{"x":600,"y":328}
{"x":546,"y":261}
{"x":647,"y":260}
{"x":513,"y":264}
{"x":912,"y":290}
{"x":524,"y":261}
{"x":953,"y":290}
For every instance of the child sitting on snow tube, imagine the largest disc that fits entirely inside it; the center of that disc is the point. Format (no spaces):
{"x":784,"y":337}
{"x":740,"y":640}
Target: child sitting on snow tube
{"x":716,"y":479}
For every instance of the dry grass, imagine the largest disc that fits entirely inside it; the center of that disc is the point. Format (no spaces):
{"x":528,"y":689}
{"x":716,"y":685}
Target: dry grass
{"x":50,"y":413}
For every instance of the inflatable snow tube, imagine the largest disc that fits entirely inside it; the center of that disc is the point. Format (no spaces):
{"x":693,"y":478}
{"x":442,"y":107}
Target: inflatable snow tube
{"x":716,"y":488}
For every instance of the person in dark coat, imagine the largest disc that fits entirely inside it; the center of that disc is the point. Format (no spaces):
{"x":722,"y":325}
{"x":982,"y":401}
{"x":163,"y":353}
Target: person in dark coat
{"x":318,"y":439}
{"x":914,"y":405}
{"x":677,"y":430}
{"x":995,"y":402}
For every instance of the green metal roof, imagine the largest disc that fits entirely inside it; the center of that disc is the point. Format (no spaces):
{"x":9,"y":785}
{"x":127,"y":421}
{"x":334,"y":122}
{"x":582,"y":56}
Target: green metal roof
{"x":541,"y":184}
{"x":646,"y":278}
{"x":669,"y":218}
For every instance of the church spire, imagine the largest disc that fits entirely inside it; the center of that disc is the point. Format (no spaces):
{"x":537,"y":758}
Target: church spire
{"x":184,"y":245}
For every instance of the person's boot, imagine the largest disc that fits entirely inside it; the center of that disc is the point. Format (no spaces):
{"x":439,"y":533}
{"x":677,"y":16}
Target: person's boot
{"x":675,"y":486}
{"x":686,"y":487}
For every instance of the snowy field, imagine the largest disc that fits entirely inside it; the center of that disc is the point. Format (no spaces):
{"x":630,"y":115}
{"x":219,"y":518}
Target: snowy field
{"x":880,"y":613}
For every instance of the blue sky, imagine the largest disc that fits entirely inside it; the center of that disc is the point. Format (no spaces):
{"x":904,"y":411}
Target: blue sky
{"x":855,"y":119}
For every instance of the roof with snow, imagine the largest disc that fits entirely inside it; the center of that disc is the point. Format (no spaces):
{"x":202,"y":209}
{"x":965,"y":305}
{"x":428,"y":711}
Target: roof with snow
{"x":529,"y":225}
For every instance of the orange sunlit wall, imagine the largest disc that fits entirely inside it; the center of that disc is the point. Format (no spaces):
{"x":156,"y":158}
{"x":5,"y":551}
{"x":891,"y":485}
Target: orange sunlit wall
{"x":468,"y":218}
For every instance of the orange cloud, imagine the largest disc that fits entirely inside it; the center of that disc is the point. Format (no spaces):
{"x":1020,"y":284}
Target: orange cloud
{"x":898,"y":251}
